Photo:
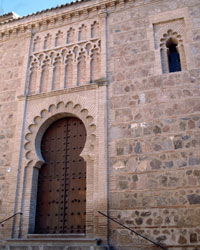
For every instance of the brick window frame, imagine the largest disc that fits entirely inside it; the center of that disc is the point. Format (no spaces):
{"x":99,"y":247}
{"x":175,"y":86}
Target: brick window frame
{"x":178,"y":21}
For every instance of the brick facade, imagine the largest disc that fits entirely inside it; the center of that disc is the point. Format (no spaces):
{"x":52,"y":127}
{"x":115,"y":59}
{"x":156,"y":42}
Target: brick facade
{"x":106,"y":63}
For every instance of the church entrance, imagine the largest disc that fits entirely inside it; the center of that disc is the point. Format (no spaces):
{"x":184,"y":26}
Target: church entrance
{"x":61,"y":196}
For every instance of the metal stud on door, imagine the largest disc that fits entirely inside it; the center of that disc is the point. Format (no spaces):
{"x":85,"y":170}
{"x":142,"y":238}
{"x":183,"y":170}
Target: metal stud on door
{"x":61,"y":200}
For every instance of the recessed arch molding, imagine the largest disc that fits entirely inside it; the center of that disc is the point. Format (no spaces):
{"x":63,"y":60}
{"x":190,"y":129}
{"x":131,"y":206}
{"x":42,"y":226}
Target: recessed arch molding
{"x":45,"y":119}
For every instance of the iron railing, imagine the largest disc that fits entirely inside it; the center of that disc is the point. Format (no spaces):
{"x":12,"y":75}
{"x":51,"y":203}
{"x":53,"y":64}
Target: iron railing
{"x":2,"y":222}
{"x":133,"y":231}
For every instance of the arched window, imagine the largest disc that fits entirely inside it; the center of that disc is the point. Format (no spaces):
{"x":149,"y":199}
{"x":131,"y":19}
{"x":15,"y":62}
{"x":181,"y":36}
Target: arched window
{"x":172,"y":52}
{"x":173,"y":56}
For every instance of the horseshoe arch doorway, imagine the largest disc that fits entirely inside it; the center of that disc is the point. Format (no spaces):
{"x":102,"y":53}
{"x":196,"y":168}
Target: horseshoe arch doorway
{"x":61,"y":195}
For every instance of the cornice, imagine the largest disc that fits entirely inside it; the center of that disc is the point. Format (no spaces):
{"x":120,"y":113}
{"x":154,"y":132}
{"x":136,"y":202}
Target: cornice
{"x":58,"y":16}
{"x":64,"y":15}
{"x":53,"y":18}
{"x":97,"y":84}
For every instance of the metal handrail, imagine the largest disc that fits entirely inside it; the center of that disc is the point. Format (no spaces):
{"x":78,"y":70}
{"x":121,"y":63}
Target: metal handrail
{"x":138,"y":234}
{"x":2,"y":222}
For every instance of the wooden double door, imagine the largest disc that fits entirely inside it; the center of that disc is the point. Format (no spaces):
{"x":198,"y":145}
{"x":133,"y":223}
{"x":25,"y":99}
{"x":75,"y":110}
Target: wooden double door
{"x":61,"y":196}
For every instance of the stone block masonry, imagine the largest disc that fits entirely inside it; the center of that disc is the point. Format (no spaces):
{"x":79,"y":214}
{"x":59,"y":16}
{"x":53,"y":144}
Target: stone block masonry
{"x":154,"y":121}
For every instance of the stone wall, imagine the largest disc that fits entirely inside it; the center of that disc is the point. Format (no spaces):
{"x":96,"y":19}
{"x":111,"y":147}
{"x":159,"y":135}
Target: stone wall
{"x":154,"y":121}
{"x":12,"y":63}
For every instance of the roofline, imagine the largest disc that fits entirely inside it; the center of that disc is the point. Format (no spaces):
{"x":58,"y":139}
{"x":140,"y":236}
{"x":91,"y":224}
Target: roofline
{"x":7,"y":14}
{"x":8,"y":17}
{"x":65,"y":14}
{"x":17,"y":17}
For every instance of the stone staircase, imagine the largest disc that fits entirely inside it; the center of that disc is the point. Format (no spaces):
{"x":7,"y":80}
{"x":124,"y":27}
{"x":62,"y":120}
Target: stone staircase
{"x":55,"y":242}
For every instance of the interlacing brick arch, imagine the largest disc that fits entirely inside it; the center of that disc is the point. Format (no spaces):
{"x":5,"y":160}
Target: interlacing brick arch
{"x":54,"y":69}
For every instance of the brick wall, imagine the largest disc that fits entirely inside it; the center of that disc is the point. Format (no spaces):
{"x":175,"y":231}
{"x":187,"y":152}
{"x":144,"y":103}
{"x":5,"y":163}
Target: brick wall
{"x":12,"y":58}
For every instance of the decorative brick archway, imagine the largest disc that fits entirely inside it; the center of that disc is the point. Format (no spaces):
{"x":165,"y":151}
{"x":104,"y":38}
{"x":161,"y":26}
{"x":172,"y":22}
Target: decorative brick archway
{"x":48,"y":116}
{"x":33,"y":152}
{"x":92,"y":153}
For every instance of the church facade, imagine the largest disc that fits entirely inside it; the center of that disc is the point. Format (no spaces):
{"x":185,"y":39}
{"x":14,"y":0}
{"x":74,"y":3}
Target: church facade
{"x":100,"y":112}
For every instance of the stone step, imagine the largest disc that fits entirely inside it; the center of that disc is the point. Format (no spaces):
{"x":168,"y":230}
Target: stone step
{"x":63,"y":242}
{"x":52,"y":236}
{"x":51,"y":247}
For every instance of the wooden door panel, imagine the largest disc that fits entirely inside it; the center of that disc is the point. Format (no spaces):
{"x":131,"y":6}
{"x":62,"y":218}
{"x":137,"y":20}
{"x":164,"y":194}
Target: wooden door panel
{"x":61,"y":201}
